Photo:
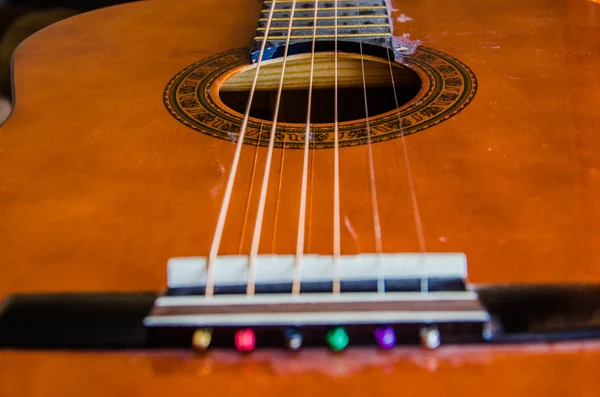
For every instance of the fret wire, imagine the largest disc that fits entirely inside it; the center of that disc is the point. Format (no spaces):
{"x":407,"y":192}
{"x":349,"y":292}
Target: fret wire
{"x":329,"y":9}
{"x":328,"y":36}
{"x":377,"y":25}
{"x":383,"y":16}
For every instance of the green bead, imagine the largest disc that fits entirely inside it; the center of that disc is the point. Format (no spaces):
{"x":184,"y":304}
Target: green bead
{"x":337,"y":338}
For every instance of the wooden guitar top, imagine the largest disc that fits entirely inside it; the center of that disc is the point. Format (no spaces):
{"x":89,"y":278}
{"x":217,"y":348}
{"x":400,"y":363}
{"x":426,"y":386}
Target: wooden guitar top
{"x":101,"y":185}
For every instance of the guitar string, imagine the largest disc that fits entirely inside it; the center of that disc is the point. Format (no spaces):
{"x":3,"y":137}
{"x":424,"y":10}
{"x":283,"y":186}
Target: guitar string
{"x":372,"y":181}
{"x":214,"y":249}
{"x":250,"y":286}
{"x":336,"y":160}
{"x":247,"y":210}
{"x":278,"y":199}
{"x":411,"y":184}
{"x":336,"y":287}
{"x":310,"y":196}
{"x":304,"y":187}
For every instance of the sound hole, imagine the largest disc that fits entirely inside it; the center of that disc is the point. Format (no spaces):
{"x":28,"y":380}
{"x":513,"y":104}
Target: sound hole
{"x":294,"y":100}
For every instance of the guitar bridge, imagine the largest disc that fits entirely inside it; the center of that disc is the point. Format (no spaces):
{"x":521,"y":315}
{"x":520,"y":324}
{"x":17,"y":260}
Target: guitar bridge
{"x":402,"y":297}
{"x":383,"y":300}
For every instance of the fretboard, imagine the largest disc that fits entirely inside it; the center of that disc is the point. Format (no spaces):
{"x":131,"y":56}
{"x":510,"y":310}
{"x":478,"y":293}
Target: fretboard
{"x":358,"y":22}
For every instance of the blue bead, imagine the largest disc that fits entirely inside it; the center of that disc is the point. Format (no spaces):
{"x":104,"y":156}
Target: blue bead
{"x":293,"y":338}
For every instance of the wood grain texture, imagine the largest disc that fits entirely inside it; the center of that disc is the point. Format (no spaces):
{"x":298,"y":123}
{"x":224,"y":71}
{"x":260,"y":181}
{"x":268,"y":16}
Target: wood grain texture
{"x":377,"y":73}
{"x":101,"y":185}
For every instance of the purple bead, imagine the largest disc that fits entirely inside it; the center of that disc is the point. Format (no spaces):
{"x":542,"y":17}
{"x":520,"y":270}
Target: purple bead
{"x":385,"y":337}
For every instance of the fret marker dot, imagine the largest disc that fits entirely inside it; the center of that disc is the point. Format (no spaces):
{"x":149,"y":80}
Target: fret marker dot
{"x":385,"y":337}
{"x":245,"y":340}
{"x":337,"y":338}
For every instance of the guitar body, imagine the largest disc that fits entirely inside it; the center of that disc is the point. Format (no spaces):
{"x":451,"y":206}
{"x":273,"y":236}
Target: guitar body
{"x":101,"y":185}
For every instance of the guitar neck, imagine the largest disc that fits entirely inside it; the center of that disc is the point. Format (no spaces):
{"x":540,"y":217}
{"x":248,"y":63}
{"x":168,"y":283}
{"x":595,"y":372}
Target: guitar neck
{"x":355,"y":26}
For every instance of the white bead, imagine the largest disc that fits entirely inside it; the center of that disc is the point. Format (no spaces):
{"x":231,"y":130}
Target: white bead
{"x":430,"y":338}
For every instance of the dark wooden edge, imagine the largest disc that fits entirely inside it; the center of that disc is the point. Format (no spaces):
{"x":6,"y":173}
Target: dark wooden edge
{"x":115,"y":320}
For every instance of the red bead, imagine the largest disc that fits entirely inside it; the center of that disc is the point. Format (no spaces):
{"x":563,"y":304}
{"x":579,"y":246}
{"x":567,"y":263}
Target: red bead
{"x":245,"y":340}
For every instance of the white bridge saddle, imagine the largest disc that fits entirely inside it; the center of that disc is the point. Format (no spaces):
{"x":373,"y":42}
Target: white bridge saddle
{"x":186,"y":305}
{"x":280,"y":269}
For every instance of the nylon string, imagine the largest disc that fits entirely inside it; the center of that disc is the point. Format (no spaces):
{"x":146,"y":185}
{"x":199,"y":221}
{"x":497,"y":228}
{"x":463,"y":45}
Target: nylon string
{"x":411,"y":184}
{"x":250,"y":189}
{"x":372,"y":182}
{"x":279,"y":184}
{"x":336,"y":166}
{"x":303,"y":191}
{"x":250,"y":287}
{"x":214,"y":249}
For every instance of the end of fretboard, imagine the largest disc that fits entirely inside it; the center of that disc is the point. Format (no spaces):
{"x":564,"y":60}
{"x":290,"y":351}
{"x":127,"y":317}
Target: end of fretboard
{"x":354,"y":26}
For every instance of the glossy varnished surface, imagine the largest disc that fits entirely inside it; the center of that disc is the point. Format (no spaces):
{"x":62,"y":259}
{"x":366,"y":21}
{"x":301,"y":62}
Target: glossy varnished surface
{"x":551,"y":371}
{"x":100,"y":186}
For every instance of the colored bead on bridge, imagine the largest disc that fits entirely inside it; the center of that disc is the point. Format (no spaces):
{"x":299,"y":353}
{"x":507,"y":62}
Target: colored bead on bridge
{"x":293,"y":338}
{"x":337,"y":338}
{"x":385,"y":337}
{"x":245,"y":340}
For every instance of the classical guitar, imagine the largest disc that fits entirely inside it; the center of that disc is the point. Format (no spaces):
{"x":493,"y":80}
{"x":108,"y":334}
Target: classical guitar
{"x":334,"y":179}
